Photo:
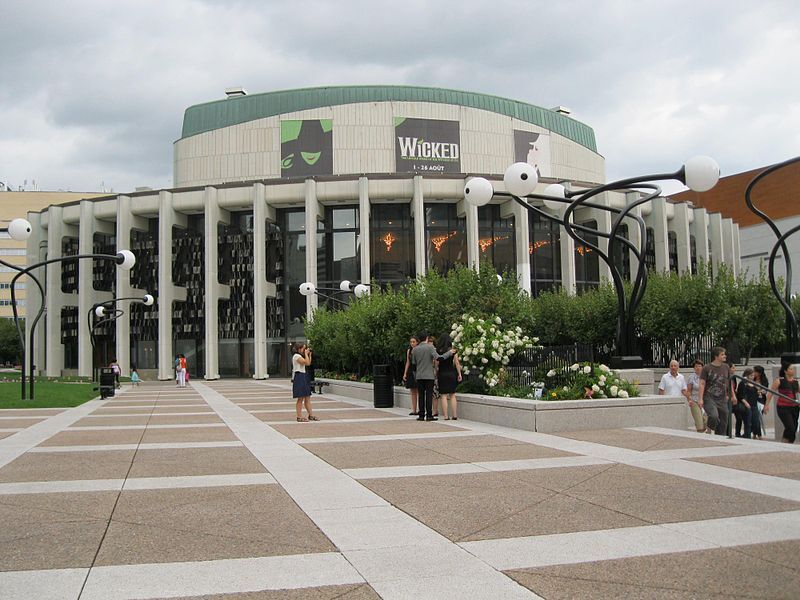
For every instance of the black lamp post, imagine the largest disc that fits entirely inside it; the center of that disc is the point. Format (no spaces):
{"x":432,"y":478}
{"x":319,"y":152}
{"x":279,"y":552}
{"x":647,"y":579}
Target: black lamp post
{"x":125,"y":259}
{"x":700,"y":173}
{"x":792,"y":356}
{"x":105,"y":313}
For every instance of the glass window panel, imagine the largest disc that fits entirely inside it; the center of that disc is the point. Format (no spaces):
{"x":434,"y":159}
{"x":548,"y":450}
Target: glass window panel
{"x":346,"y":258}
{"x":296,"y":221}
{"x":345,"y":218}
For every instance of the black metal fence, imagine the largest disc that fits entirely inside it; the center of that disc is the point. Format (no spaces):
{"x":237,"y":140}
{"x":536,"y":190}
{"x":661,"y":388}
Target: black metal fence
{"x":532,"y":365}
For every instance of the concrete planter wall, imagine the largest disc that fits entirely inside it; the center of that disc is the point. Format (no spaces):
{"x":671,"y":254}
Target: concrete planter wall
{"x":548,"y":417}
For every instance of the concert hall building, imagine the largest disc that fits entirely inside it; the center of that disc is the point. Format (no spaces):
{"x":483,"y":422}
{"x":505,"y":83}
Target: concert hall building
{"x":363,"y":183}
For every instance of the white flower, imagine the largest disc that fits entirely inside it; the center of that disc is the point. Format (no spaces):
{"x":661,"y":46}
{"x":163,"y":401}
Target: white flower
{"x":453,"y":333}
{"x":574,"y":367}
{"x":464,"y":316}
{"x":484,"y":360}
{"x":495,"y":344}
{"x":605,"y":369}
{"x":505,"y":360}
{"x":518,"y":329}
{"x":601,"y":383}
{"x":602,"y":378}
{"x":565,"y":389}
{"x":465,"y":371}
{"x":511,"y":351}
{"x":614,"y":390}
{"x":595,"y":388}
{"x":506,"y":338}
{"x":623,"y":394}
{"x":472,"y":319}
{"x":587,"y":369}
{"x":498,"y":320}
{"x":551,"y":373}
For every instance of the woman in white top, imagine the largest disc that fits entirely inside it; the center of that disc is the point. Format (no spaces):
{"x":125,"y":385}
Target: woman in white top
{"x":301,"y":388}
{"x":693,"y":396}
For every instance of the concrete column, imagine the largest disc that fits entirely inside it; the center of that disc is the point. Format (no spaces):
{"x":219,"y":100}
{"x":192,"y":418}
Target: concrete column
{"x":522,"y":242}
{"x":168,"y":292}
{"x":55,"y":297}
{"x":473,"y":233}
{"x":699,"y":229}
{"x":126,"y":221}
{"x":36,"y":251}
{"x":603,"y":218}
{"x":363,"y":228}
{"x":214,"y":291}
{"x":717,"y":246}
{"x":727,"y":245}
{"x":680,"y":225}
{"x":658,"y":222}
{"x":568,"y":279}
{"x":312,"y":214}
{"x":737,"y":251}
{"x":259,"y":280}
{"x":87,"y":296}
{"x":418,"y":214}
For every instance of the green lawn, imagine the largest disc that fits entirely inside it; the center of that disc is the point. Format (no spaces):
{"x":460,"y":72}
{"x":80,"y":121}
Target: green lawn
{"x":49,"y":394}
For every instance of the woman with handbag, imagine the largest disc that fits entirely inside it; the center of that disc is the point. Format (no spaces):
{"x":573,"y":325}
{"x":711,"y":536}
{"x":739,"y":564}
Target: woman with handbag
{"x":301,"y":388}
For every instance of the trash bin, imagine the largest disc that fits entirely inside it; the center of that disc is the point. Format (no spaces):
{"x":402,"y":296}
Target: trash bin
{"x":382,"y":387}
{"x":107,"y":382}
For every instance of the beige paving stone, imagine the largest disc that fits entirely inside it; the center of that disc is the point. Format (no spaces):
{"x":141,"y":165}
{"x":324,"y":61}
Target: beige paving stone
{"x":200,"y":434}
{"x":30,"y":413}
{"x":180,"y":419}
{"x":111,"y":421}
{"x":481,"y":506}
{"x":315,"y":430}
{"x":391,"y":453}
{"x":330,"y":592}
{"x":5,"y":434}
{"x":661,"y":498}
{"x":641,"y":440}
{"x":779,"y":464}
{"x":94,"y":438}
{"x":194,"y":461}
{"x":208,"y":523}
{"x":52,"y":531}
{"x":741,"y":572}
{"x":484,"y":448}
{"x":9,"y":423}
{"x":68,"y":466}
{"x":410,"y":425}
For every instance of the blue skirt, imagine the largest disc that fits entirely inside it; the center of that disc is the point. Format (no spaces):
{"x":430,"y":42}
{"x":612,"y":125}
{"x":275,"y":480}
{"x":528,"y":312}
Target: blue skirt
{"x":300,"y":386}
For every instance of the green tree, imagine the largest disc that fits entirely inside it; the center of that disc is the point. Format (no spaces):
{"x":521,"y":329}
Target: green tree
{"x":10,"y":350}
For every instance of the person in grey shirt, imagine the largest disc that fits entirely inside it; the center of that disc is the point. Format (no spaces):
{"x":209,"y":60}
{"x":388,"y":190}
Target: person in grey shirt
{"x":422,"y":361}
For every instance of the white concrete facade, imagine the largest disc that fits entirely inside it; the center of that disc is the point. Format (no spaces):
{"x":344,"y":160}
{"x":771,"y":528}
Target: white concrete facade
{"x":124,"y":213}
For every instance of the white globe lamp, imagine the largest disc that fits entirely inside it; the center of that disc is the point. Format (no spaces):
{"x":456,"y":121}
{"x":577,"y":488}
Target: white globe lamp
{"x":19,"y":229}
{"x":478,"y":191}
{"x":307,"y":288}
{"x":556,"y":190}
{"x":520,"y":179}
{"x":126,"y":259}
{"x":701,"y":173}
{"x":361,"y":290}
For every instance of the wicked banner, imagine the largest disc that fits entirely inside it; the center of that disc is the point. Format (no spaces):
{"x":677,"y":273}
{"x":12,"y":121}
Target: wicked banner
{"x":306,"y":147}
{"x":534,"y":149}
{"x":427,"y":146}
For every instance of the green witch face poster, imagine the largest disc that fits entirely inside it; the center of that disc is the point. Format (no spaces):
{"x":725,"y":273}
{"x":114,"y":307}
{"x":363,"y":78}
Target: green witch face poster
{"x":306,"y":147}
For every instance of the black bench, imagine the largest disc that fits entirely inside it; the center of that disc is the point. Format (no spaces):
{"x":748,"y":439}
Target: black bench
{"x":318,"y":385}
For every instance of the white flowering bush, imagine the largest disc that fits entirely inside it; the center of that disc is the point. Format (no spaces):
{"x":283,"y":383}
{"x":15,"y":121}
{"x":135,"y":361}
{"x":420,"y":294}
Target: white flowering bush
{"x":486,"y":348}
{"x":587,"y":381}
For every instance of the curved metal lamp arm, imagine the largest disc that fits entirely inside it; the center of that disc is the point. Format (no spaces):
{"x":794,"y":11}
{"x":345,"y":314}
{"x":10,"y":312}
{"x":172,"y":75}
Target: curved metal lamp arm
{"x":326,"y":296}
{"x":783,"y":299}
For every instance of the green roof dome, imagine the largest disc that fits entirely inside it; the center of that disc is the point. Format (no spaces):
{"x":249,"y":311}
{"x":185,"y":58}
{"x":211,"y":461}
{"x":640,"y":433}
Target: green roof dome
{"x":241,"y":109}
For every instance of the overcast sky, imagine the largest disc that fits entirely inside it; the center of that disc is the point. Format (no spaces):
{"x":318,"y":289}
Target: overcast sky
{"x":93,"y":92}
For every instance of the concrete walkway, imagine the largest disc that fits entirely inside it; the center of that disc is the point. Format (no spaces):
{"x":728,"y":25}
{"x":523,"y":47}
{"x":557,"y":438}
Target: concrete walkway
{"x":215,"y":491}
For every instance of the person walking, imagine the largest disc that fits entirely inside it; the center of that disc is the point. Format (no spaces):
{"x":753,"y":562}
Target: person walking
{"x":693,"y":396}
{"x":423,"y":358}
{"x":409,"y":378}
{"x":747,"y":397}
{"x":759,"y":376}
{"x":177,"y":370}
{"x":116,"y":369}
{"x":715,"y":389}
{"x":181,"y":371}
{"x":301,"y":388}
{"x":788,"y":412}
{"x":672,"y":383}
{"x":135,"y":377}
{"x":448,"y":378}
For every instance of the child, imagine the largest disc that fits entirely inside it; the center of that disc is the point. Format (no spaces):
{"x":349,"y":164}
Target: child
{"x":135,"y":377}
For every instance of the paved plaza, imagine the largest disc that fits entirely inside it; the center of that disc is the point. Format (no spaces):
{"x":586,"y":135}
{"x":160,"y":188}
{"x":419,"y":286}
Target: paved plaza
{"x":215,"y":491}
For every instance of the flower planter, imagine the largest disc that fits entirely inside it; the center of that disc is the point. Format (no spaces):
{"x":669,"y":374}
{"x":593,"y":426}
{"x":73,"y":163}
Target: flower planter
{"x":549,"y":417}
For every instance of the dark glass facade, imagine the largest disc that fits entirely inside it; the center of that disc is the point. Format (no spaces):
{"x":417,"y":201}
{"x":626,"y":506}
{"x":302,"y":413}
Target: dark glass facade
{"x":496,"y":239}
{"x":544,"y":248}
{"x":391,"y":244}
{"x":445,"y":237}
{"x":587,"y":262}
